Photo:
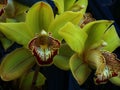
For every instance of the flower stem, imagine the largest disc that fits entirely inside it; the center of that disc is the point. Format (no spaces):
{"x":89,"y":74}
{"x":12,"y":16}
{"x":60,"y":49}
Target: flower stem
{"x":37,"y":68}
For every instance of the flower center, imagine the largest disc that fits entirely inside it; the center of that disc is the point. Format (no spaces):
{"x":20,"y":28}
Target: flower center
{"x":111,"y":69}
{"x":44,"y":47}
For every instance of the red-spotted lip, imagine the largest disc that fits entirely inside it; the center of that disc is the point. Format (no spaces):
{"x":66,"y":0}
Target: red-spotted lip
{"x":1,"y":11}
{"x":111,"y":69}
{"x":44,"y":48}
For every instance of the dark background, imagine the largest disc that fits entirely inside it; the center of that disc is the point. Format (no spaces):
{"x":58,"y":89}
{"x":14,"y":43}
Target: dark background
{"x":63,"y":80}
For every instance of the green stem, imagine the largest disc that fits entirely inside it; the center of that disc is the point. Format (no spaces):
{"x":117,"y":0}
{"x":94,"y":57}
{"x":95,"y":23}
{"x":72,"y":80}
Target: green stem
{"x":35,"y":77}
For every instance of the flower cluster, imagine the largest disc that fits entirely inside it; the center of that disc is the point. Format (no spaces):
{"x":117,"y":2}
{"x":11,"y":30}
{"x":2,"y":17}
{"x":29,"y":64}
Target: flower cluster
{"x":70,"y":39}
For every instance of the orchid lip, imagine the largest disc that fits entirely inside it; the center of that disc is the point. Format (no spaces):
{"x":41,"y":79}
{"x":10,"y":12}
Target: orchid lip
{"x":111,"y":69}
{"x":44,"y":48}
{"x":1,"y":12}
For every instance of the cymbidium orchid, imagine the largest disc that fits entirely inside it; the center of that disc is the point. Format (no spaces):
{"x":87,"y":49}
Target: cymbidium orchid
{"x":39,"y":37}
{"x":71,"y":5}
{"x":93,"y":45}
{"x":11,"y":11}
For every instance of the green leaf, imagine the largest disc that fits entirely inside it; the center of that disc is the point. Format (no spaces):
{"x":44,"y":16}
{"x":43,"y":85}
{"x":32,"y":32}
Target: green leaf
{"x":60,"y":5}
{"x":17,"y":32}
{"x":74,"y":36}
{"x":62,"y":19}
{"x":26,"y":81}
{"x":95,"y":31}
{"x":112,"y":39}
{"x":39,"y":17}
{"x":16,"y":64}
{"x":62,"y":59}
{"x":79,"y":69}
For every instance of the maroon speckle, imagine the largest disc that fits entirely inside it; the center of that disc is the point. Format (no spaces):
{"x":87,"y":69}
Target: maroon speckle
{"x":52,"y":44}
{"x":1,"y":12}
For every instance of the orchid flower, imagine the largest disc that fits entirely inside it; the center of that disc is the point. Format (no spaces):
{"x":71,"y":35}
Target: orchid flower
{"x":71,"y":5}
{"x":2,"y":5}
{"x":39,"y":37}
{"x":12,"y":12}
{"x":93,"y":46}
{"x":62,"y":59}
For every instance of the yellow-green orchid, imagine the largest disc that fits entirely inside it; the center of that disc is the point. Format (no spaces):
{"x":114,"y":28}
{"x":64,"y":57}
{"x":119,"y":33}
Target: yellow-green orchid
{"x":3,"y":3}
{"x":39,"y":37}
{"x":12,"y":12}
{"x":71,"y":5}
{"x":93,"y":44}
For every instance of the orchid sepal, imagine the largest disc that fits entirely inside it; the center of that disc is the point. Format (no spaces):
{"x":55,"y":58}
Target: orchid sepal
{"x":61,"y":20}
{"x":27,"y":78}
{"x":44,"y":16}
{"x":74,"y":40}
{"x":95,"y":31}
{"x":16,"y":63}
{"x":79,"y":69}
{"x":62,"y":59}
{"x":20,"y":35}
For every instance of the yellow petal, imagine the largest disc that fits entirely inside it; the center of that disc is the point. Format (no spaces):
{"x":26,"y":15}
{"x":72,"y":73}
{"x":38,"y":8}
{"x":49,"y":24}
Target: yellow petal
{"x":79,"y":69}
{"x":26,"y":80}
{"x":15,"y":64}
{"x":17,"y":32}
{"x":74,"y":36}
{"x":39,"y":17}
{"x":62,"y":59}
{"x":62,"y":19}
{"x":112,"y":39}
{"x":95,"y":31}
{"x":60,"y":5}
{"x":115,"y":80}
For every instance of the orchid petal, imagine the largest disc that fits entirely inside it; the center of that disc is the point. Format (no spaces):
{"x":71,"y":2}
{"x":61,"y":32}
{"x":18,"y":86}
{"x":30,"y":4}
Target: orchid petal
{"x":26,"y":81}
{"x":95,"y":60}
{"x":17,"y":32}
{"x":79,"y":69}
{"x":68,"y":4}
{"x":95,"y":31}
{"x":39,"y":17}
{"x":20,"y":8}
{"x":16,"y":63}
{"x":114,"y":41}
{"x":74,"y":36}
{"x":61,"y":20}
{"x":6,"y":42}
{"x":20,"y":11}
{"x":60,"y":5}
{"x":10,"y":8}
{"x":115,"y":80}
{"x":80,"y":5}
{"x":62,"y":59}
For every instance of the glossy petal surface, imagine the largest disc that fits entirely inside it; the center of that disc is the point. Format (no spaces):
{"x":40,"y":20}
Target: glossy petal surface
{"x":62,"y":59}
{"x":95,"y":31}
{"x":61,"y":20}
{"x":79,"y":69}
{"x":39,"y":17}
{"x":17,"y":32}
{"x":74,"y":37}
{"x":15,"y":64}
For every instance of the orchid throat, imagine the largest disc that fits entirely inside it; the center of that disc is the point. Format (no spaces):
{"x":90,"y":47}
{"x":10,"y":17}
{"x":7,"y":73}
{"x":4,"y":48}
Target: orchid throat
{"x":44,"y":47}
